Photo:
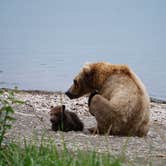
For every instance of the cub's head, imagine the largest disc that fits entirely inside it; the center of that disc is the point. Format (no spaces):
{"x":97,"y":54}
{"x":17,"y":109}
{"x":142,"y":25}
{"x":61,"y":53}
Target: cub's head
{"x":82,"y":83}
{"x":56,"y":113}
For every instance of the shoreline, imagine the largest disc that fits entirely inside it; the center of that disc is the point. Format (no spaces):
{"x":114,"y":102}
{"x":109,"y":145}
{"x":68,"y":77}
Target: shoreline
{"x":152,"y":99}
{"x":33,"y":117}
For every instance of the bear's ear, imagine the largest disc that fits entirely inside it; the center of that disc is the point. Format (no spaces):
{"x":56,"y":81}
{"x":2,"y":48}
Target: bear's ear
{"x":86,"y":69}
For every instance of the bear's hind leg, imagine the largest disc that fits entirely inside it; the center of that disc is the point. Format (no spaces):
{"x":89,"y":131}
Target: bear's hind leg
{"x":104,"y":113}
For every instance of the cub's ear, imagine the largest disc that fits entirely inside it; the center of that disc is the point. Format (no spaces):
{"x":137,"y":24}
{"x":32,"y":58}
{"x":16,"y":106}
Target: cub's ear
{"x":63,"y":108}
{"x":51,"y":107}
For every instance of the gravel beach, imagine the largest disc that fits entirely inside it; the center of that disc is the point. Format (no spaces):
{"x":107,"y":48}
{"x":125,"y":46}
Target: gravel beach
{"x":33,"y":118}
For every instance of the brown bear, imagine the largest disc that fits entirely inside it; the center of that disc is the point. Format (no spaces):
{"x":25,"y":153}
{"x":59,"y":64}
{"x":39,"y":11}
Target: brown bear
{"x":118,"y":100}
{"x":64,"y":120}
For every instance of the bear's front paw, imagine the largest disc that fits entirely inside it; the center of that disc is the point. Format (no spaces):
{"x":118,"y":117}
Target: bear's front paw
{"x":91,"y":96}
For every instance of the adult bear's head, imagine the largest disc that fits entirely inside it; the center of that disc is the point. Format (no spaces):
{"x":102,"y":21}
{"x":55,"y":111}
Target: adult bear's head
{"x":81,"y":83}
{"x":90,"y":78}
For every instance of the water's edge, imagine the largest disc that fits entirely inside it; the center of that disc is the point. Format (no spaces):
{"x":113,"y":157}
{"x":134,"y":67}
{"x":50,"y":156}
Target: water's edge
{"x":152,"y":99}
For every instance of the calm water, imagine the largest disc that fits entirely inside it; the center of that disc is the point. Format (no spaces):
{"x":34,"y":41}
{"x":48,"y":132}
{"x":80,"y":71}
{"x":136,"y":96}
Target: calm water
{"x":43,"y":44}
{"x":55,"y":70}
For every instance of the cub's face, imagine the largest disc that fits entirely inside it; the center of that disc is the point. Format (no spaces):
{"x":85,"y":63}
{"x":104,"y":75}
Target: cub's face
{"x":55,"y":114}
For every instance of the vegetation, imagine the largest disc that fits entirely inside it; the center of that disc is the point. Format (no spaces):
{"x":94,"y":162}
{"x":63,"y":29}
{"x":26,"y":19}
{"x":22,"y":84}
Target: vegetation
{"x":6,"y":111}
{"x":48,"y":154}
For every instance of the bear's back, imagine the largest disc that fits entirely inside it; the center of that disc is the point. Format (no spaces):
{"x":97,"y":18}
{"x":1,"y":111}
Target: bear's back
{"x":125,"y":90}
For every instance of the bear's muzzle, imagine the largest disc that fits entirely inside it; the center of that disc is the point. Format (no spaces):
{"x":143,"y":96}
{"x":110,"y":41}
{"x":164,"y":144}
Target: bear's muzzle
{"x":71,"y":96}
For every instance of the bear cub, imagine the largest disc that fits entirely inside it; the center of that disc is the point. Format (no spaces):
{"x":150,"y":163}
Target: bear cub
{"x":64,"y":120}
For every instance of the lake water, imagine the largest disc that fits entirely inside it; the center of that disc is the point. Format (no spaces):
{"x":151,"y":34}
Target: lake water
{"x":55,"y":70}
{"x":43,"y":45}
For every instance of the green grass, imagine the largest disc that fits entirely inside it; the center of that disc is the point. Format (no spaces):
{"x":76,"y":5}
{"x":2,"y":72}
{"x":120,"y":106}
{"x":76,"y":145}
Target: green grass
{"x":49,"y":155}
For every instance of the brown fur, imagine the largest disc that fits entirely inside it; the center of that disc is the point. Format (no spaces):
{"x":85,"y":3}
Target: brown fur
{"x":121,"y":106}
{"x":64,"y":120}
